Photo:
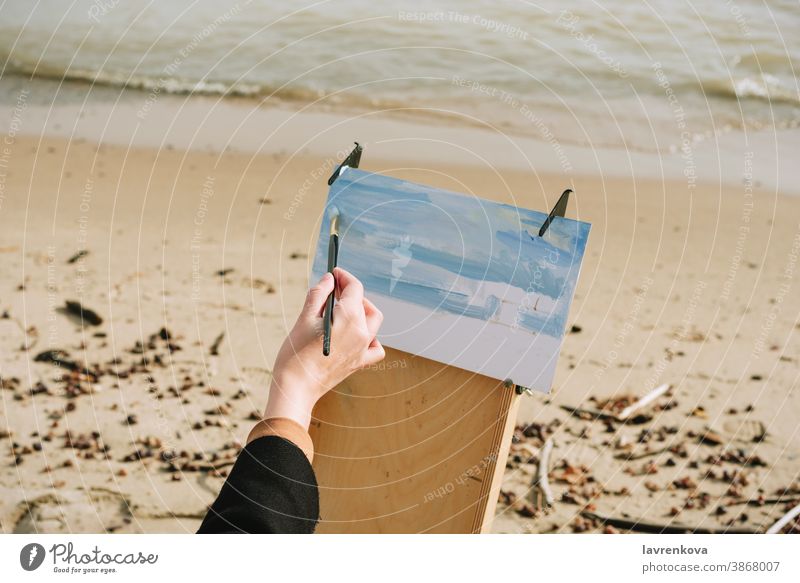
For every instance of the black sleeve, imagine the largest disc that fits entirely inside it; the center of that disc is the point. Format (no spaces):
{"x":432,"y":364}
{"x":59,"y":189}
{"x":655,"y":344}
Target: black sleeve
{"x":271,"y":489}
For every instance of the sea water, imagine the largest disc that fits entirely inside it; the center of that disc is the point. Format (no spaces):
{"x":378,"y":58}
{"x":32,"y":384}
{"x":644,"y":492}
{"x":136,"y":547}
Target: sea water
{"x":600,"y":73}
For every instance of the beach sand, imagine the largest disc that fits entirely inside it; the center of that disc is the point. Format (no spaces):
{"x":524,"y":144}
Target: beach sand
{"x":691,"y":286}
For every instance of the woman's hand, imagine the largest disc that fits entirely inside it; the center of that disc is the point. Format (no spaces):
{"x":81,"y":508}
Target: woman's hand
{"x":302,"y":374}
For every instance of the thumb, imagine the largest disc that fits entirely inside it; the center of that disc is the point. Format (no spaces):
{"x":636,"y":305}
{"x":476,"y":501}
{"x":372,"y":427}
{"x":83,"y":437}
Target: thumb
{"x":317,"y":295}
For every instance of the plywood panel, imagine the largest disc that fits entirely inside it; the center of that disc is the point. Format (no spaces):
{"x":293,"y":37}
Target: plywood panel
{"x":411,"y":445}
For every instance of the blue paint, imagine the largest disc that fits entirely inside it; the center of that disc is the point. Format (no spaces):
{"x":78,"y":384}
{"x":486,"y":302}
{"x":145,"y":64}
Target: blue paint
{"x":433,"y":248}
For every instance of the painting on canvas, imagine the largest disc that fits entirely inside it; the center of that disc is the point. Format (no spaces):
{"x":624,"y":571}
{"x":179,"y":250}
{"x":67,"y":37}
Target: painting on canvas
{"x":459,"y":279}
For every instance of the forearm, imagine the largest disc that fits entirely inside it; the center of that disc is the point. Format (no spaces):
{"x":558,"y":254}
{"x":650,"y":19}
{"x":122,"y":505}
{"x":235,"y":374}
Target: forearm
{"x":272,"y":487}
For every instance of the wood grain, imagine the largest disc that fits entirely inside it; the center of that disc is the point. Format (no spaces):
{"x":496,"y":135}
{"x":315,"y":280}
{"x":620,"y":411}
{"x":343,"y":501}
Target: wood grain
{"x":411,"y":446}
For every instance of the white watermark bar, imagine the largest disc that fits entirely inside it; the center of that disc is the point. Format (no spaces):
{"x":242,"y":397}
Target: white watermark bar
{"x":371,"y":558}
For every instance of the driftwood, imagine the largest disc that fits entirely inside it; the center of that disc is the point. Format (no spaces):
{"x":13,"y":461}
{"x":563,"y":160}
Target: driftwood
{"x":542,"y":479}
{"x":646,"y":400}
{"x":785,"y":519}
{"x":652,"y":527}
{"x":624,"y":416}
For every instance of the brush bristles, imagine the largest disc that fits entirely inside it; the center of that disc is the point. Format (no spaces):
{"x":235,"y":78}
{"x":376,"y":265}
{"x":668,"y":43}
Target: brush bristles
{"x":335,"y":223}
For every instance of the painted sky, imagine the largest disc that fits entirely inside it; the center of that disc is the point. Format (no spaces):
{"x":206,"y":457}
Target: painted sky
{"x":455,"y":253}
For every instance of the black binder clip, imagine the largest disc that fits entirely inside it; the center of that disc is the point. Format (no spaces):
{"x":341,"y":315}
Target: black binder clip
{"x":519,"y":390}
{"x":353,"y":160}
{"x":558,"y":211}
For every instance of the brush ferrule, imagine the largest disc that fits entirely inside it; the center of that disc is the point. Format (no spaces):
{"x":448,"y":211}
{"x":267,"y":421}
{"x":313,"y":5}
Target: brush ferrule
{"x":335,"y":224}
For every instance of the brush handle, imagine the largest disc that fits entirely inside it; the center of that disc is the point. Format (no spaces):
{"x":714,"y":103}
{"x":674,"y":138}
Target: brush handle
{"x":327,"y":320}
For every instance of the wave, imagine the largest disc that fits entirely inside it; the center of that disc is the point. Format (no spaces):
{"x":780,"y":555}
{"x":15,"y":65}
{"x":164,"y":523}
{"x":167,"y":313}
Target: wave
{"x":450,"y":109}
{"x":165,"y":84}
{"x":764,"y":87}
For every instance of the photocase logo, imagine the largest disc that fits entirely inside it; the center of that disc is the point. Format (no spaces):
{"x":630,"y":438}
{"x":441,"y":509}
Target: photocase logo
{"x":31,"y":556}
{"x":402,"y":256}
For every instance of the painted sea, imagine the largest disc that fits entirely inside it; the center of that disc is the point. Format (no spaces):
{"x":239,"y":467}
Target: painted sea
{"x":461,"y":280}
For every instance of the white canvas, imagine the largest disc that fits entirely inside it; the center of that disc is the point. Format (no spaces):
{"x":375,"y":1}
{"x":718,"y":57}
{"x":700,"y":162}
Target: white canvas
{"x":460,"y":280}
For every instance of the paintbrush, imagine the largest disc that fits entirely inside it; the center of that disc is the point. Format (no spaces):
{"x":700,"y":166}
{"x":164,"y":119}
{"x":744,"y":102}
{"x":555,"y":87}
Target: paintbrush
{"x":333,"y":256}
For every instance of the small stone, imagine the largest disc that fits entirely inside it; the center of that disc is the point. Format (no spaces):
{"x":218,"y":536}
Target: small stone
{"x":526,"y":509}
{"x":685,"y":483}
{"x":39,"y":388}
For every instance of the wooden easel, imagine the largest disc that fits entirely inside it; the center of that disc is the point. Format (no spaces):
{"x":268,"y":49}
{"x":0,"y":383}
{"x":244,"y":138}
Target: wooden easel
{"x":412,"y":445}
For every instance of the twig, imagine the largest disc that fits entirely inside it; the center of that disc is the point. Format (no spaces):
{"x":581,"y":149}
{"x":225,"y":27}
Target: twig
{"x":206,"y":466}
{"x":785,"y":519}
{"x":542,"y":479}
{"x":79,"y":255}
{"x":646,"y":400}
{"x":162,"y":515}
{"x":27,"y":333}
{"x":766,"y":501}
{"x":652,"y":527}
{"x":594,"y":413}
{"x":214,"y":350}
{"x":638,"y":456}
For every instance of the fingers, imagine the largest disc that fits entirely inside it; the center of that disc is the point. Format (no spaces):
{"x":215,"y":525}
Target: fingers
{"x":351,"y":291}
{"x":373,"y":316}
{"x":349,"y":309}
{"x":375,"y":353}
{"x":316,"y":297}
{"x":359,"y":314}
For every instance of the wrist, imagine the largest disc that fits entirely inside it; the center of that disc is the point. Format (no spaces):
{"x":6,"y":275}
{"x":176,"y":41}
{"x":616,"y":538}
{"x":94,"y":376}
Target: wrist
{"x":290,"y":399}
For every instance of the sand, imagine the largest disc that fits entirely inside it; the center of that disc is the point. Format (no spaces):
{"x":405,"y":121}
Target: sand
{"x":691,"y":283}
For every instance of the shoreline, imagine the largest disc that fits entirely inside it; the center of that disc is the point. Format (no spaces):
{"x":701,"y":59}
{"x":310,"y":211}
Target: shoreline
{"x":218,"y":123}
